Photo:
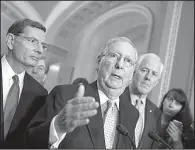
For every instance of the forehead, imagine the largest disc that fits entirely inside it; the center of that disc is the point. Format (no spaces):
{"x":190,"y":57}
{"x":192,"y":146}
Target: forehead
{"x":123,"y":48}
{"x":35,"y":33}
{"x":151,"y":63}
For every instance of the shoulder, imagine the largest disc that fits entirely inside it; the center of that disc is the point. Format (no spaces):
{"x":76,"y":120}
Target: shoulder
{"x":153,"y":107}
{"x":33,"y":84}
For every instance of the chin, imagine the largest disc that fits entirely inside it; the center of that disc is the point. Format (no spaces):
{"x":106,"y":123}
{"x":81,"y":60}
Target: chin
{"x":114,"y":86}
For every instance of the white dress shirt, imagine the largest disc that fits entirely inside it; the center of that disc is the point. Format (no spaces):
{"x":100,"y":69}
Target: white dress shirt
{"x":7,"y":74}
{"x":55,"y":140}
{"x":142,"y":107}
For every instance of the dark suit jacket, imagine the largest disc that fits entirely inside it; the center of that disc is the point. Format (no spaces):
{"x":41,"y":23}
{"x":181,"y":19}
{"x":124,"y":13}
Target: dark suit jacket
{"x":33,"y":96}
{"x":89,"y":136}
{"x":152,"y":123}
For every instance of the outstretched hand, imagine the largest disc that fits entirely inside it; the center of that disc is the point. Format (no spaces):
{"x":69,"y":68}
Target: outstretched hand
{"x":76,"y":112}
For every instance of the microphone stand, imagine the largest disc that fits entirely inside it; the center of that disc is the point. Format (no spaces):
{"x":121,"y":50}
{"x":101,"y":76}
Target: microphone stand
{"x":162,"y":141}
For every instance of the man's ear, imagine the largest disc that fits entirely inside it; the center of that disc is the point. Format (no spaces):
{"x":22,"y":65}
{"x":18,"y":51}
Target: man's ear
{"x":10,"y":41}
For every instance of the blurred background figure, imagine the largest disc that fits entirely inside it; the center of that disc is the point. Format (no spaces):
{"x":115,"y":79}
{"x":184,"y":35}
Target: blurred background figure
{"x":39,"y":72}
{"x":176,"y":120}
{"x":80,"y":81}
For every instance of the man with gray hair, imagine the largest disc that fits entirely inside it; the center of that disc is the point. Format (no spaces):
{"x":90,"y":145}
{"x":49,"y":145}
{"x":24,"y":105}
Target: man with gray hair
{"x":22,"y":94}
{"x":146,"y":75}
{"x":78,"y":116}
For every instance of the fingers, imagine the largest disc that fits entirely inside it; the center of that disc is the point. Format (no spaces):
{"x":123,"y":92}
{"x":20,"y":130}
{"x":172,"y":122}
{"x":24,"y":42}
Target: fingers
{"x":173,"y":126}
{"x":83,"y":115}
{"x":84,"y":107}
{"x":81,"y":91}
{"x":173,"y":129}
{"x":81,"y":100}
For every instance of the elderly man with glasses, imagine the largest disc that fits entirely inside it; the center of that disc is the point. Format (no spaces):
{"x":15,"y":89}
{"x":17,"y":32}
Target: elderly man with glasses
{"x":86,"y":117}
{"x":22,"y":95}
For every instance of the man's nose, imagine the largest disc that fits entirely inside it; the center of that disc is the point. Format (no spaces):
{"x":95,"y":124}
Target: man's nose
{"x":34,"y":70}
{"x":39,"y":48}
{"x":120,"y":63}
{"x":148,"y":76}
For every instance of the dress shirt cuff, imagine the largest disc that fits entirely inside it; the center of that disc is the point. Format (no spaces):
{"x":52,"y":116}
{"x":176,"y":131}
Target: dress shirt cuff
{"x":54,"y":139}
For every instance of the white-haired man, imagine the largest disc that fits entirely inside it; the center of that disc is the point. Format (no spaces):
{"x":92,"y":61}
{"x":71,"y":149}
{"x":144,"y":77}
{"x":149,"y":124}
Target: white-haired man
{"x":72,"y":117}
{"x":146,"y":76}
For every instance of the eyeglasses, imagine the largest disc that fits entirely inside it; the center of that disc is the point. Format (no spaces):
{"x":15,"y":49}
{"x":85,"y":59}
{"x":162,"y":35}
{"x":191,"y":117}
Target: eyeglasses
{"x":33,"y":42}
{"x":128,"y":62}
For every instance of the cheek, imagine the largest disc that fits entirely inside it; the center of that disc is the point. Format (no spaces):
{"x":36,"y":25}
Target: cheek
{"x":105,"y":69}
{"x":177,"y":109}
{"x":128,"y":74}
{"x":137,"y":79}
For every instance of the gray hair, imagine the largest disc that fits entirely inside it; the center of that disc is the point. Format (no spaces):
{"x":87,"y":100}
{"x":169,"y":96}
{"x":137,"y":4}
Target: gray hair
{"x":141,"y":58}
{"x":104,"y":49}
{"x":18,"y":26}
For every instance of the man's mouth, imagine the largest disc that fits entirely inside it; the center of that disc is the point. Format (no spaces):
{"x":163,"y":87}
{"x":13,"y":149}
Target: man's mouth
{"x":145,"y":84}
{"x":35,"y":58}
{"x":116,"y":76}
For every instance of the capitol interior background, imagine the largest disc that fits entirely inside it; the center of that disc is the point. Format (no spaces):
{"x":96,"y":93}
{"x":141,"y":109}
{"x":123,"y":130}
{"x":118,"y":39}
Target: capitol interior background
{"x":77,"y":29}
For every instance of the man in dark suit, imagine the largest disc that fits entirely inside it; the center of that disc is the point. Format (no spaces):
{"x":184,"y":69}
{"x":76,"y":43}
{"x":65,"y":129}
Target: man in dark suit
{"x":22,"y":96}
{"x":86,"y":116}
{"x":146,"y":75}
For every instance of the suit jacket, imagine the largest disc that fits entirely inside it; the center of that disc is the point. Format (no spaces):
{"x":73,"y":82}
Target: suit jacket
{"x":152,"y":124}
{"x":89,"y":136}
{"x":33,"y":96}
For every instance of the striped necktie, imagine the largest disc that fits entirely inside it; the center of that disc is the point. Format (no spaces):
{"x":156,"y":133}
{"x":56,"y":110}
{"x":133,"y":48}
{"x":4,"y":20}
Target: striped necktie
{"x":11,"y":104}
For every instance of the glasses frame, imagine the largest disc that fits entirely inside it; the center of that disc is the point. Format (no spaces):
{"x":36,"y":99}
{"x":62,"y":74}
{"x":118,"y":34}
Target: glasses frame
{"x":28,"y":39}
{"x":126,"y":64}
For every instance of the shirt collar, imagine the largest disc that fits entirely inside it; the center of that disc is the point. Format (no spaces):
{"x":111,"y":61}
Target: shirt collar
{"x":135,"y":97}
{"x":104,"y":98}
{"x":8,"y":72}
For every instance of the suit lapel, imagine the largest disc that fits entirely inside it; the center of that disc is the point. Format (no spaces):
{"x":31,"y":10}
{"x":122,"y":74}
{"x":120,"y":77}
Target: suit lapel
{"x":128,"y":115}
{"x":148,"y":120}
{"x":23,"y":104}
{"x":95,"y":126}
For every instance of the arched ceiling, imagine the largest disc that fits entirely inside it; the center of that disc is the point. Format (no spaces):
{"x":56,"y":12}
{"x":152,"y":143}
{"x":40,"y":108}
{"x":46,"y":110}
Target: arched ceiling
{"x":77,"y":26}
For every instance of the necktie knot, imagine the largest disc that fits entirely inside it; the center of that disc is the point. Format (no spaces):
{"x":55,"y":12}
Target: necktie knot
{"x":16,"y":79}
{"x":110,"y":103}
{"x":138,"y":103}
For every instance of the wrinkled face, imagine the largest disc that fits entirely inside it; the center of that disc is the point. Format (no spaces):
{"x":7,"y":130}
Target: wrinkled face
{"x":23,"y":51}
{"x":114,"y":74}
{"x":171,"y":106}
{"x":38,"y":72}
{"x":146,"y":76}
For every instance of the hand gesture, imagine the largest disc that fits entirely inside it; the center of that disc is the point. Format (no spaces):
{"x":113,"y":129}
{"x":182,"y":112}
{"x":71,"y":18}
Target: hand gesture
{"x":174,"y":131}
{"x":76,"y":112}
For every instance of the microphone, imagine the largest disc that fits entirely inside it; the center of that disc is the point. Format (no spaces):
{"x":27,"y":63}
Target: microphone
{"x":157,"y":138}
{"x":123,"y":130}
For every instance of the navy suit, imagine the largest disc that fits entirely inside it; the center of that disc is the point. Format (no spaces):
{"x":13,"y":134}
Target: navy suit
{"x":89,"y":136}
{"x":32,"y":98}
